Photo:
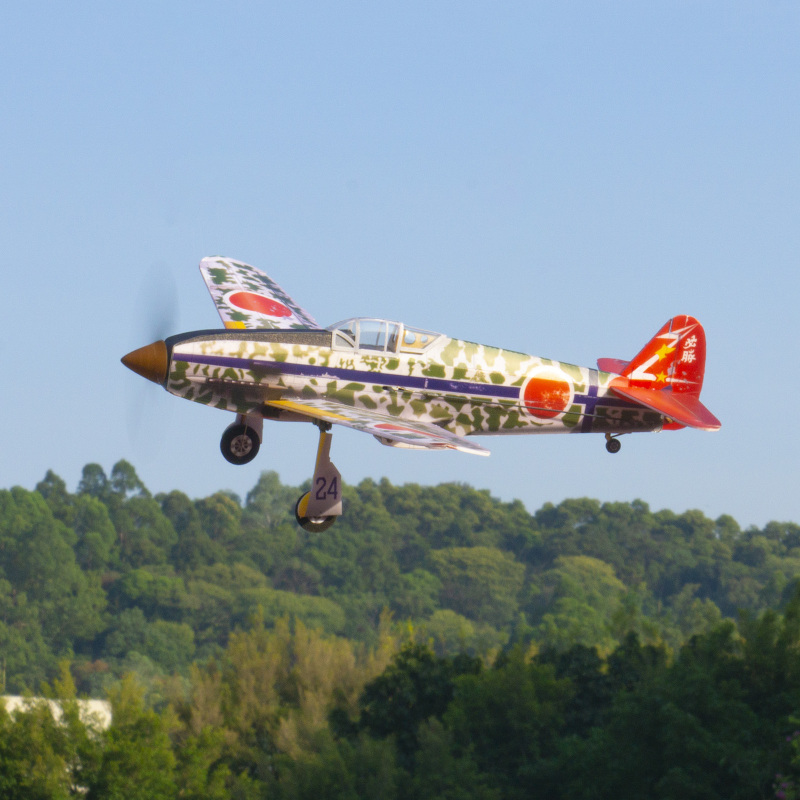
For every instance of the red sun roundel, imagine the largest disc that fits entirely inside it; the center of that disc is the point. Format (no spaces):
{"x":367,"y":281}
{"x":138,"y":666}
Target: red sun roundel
{"x":547,"y":394}
{"x":250,"y":301}
{"x":388,"y":426}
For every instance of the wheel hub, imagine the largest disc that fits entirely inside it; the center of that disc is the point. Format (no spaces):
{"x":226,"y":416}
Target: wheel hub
{"x":241,"y":445}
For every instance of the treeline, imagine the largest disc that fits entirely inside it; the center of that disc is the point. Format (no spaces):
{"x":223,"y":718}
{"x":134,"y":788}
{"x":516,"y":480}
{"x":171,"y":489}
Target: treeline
{"x":435,"y":642}
{"x":117,"y":580}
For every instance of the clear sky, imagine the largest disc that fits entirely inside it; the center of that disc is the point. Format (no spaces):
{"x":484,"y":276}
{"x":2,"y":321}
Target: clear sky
{"x":555,"y":178}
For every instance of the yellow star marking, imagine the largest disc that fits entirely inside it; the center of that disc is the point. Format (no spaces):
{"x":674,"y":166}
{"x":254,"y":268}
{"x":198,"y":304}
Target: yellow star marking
{"x":661,"y":377}
{"x":665,"y":351}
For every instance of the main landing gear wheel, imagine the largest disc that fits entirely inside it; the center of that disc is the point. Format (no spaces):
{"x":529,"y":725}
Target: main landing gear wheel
{"x":613,"y":444}
{"x":310,"y":524}
{"x":239,"y":444}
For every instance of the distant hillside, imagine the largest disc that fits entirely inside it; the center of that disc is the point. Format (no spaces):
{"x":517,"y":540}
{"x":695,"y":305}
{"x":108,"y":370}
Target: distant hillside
{"x":119,"y":580}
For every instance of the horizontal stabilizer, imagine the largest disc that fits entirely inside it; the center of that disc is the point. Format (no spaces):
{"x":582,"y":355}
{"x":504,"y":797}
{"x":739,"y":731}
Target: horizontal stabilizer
{"x":616,"y":365}
{"x":681,"y":407}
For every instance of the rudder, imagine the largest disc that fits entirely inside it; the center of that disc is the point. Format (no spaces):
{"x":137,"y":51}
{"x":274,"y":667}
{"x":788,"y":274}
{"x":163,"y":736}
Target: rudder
{"x":675,"y":357}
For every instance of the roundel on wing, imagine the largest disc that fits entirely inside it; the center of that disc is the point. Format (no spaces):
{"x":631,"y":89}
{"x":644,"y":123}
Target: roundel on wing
{"x":390,"y":426}
{"x":547,"y":393}
{"x":258,"y":303}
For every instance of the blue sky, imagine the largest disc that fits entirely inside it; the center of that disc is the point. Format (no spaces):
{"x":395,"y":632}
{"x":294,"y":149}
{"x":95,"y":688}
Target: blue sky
{"x":553,"y":178}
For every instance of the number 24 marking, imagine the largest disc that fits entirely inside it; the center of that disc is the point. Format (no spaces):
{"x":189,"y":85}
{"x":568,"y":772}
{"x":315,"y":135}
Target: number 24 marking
{"x":326,"y":490}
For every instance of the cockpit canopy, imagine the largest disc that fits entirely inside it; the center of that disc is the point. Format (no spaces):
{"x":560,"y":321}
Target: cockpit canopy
{"x":380,"y":335}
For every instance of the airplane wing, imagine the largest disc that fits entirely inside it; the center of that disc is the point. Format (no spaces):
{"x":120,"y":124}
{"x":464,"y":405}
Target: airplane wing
{"x":405,"y":432}
{"x":246,"y":298}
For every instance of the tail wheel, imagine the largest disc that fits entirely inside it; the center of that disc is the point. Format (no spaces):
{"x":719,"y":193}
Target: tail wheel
{"x":310,"y":524}
{"x":613,"y":445}
{"x":239,"y":444}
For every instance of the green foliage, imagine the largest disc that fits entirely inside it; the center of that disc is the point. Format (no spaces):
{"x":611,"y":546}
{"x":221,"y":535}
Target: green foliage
{"x":462,"y":570}
{"x":169,"y":644}
{"x":583,"y":596}
{"x":479,"y":582}
{"x":418,"y":594}
{"x":34,"y":756}
{"x":510,"y":717}
{"x":44,"y":594}
{"x":47,"y":755}
{"x":137,"y":761}
{"x":342,"y":770}
{"x":692,"y":729}
{"x":588,"y":650}
{"x":415,"y":687}
{"x":94,"y":531}
{"x":442,"y":771}
{"x":316,"y":612}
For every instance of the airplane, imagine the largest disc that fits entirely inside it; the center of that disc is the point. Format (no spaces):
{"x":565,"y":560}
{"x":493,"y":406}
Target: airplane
{"x":407,"y":386}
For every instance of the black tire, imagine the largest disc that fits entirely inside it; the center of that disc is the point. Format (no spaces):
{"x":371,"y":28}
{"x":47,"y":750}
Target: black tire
{"x":311,"y":524}
{"x":613,"y":445}
{"x":239,"y":444}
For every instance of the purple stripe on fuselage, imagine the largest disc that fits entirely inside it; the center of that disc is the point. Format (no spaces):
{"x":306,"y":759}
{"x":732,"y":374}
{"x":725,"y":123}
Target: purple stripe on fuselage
{"x":362,"y":376}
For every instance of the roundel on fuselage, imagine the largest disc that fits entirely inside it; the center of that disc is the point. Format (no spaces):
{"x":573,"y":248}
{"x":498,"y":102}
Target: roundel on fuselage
{"x":548,"y":392}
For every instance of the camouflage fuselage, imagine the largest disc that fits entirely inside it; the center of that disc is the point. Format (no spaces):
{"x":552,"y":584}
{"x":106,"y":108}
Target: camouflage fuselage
{"x":464,"y":387}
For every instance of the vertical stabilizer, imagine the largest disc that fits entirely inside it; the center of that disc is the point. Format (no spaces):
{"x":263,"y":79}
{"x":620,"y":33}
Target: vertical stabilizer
{"x":667,"y":375}
{"x":674,"y":358}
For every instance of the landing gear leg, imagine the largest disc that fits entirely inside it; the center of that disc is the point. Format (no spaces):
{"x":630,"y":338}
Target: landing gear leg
{"x":317,"y":510}
{"x":613,"y":444}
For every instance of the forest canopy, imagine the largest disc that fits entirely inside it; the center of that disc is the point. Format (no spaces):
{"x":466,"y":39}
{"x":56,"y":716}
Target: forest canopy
{"x":400,"y":652}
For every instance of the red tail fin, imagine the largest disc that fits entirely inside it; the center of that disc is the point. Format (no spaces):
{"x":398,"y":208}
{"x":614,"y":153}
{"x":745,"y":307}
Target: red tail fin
{"x":667,"y":375}
{"x":675,"y":357}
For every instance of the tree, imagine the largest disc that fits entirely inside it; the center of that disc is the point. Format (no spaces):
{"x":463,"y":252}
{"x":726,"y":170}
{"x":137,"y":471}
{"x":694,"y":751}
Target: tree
{"x":220,"y":517}
{"x":418,"y":594}
{"x":94,"y":482}
{"x":55,"y":494}
{"x":38,"y":562}
{"x":95,"y":533}
{"x":341,"y":770}
{"x":480,"y":582}
{"x":592,"y":687}
{"x":193,"y":546}
{"x":169,"y":644}
{"x":146,"y":536}
{"x":441,"y":771}
{"x":581,"y":595}
{"x":509,"y":718}
{"x":694,"y":728}
{"x":33,"y":765}
{"x":125,"y":482}
{"x":415,"y":687}
{"x":47,"y":752}
{"x":137,"y":760}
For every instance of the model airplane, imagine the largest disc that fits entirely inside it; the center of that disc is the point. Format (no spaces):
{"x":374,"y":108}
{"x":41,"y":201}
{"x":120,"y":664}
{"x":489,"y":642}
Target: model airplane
{"x":406,"y":386}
